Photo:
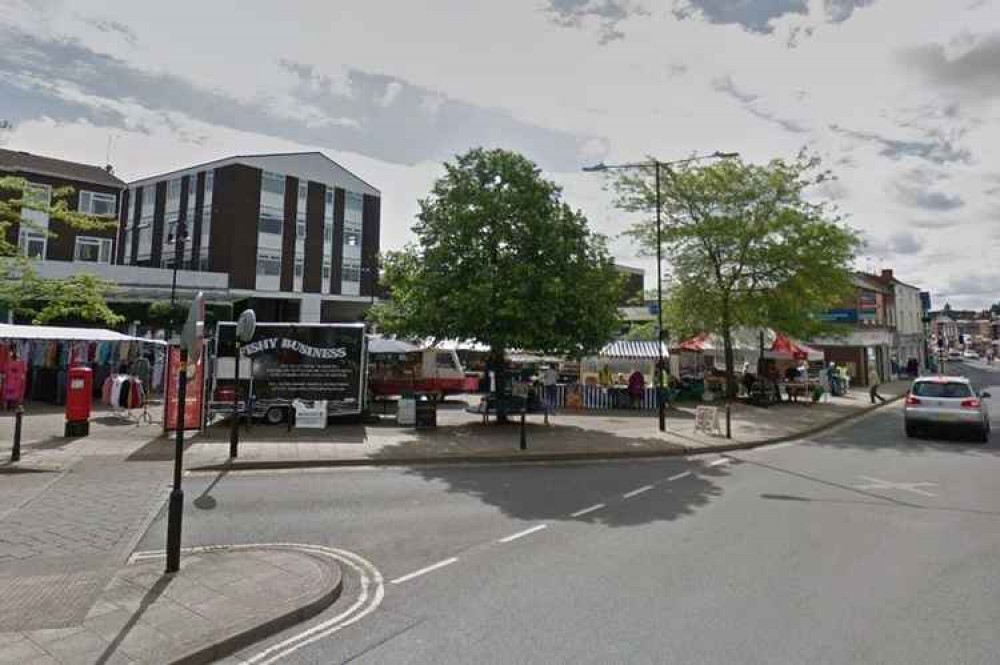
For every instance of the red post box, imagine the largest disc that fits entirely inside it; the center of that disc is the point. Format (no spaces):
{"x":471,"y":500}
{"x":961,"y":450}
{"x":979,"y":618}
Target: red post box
{"x":79,"y":396}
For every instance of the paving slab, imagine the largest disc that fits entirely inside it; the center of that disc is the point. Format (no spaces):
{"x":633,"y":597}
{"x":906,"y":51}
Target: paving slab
{"x":222,"y":600}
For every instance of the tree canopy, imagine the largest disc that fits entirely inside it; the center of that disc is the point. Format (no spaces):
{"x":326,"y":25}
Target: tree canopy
{"x":22,"y":289}
{"x":744,"y":245}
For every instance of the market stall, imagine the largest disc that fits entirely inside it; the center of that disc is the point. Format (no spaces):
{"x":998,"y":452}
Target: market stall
{"x":794,"y":367}
{"x":606,"y":377}
{"x":37,"y":359}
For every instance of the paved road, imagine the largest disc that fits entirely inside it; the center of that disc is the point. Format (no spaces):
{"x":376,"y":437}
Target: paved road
{"x":857,"y":547}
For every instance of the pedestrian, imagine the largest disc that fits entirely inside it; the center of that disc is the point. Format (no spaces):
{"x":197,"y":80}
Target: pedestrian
{"x":636,"y":387}
{"x":550,"y":379}
{"x":873,"y":391}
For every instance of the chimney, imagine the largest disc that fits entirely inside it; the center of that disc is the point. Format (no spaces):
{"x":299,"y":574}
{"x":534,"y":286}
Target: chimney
{"x":110,"y":169}
{"x":887,"y":274}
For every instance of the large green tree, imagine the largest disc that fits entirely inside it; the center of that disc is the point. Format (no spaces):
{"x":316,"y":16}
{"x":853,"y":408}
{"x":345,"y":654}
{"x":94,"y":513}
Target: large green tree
{"x":499,"y":258}
{"x":22,"y":289}
{"x":745,"y":245}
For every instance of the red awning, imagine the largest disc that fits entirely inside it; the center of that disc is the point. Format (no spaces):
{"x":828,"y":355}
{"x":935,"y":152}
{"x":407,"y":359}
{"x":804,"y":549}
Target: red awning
{"x":786,"y":347}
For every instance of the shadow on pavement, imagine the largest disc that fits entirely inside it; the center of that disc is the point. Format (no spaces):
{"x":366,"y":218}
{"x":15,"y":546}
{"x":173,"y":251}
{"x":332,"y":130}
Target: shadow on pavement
{"x":553,"y":492}
{"x":147,"y":600}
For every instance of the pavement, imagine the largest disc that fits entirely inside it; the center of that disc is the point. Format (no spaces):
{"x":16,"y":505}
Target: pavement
{"x":856,"y":545}
{"x":221,"y":600}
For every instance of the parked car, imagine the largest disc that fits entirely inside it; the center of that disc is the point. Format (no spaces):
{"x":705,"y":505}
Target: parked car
{"x":970,"y":354}
{"x":954,"y":354}
{"x":949,"y":402}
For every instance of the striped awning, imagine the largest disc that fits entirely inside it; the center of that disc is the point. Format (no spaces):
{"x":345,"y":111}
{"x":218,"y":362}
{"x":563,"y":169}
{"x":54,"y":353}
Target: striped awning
{"x":633,"y":350}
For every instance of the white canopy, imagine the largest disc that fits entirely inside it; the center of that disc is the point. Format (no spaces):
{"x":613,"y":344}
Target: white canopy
{"x":386,"y":345}
{"x":63,"y":334}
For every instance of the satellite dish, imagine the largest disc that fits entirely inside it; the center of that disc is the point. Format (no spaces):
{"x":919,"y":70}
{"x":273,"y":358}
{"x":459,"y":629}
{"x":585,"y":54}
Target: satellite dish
{"x":246,"y":325}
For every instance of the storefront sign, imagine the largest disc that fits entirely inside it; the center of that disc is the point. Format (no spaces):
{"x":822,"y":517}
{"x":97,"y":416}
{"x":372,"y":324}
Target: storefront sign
{"x":867,"y":305}
{"x":840,"y":316}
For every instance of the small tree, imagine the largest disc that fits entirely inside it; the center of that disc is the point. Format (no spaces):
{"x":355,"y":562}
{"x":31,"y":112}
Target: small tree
{"x":80,"y":297}
{"x":501,"y":260}
{"x":745,"y":246}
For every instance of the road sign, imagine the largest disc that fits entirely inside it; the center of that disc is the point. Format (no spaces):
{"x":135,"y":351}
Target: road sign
{"x":194,"y":328}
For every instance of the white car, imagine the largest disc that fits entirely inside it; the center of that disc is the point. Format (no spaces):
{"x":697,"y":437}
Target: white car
{"x":970,"y":354}
{"x":949,"y":402}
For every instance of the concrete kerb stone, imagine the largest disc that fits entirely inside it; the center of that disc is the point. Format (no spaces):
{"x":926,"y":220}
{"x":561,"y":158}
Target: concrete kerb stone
{"x":331,"y":586}
{"x":530,"y":457}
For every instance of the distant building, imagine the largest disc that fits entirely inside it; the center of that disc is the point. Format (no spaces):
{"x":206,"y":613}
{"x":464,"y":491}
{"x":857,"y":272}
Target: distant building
{"x":868,"y":318}
{"x":633,"y":289}
{"x":95,"y":190}
{"x":909,"y":337}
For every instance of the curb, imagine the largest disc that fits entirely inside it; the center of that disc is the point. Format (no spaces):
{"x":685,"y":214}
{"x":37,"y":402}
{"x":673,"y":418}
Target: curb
{"x":332,"y":582}
{"x":528,"y":458}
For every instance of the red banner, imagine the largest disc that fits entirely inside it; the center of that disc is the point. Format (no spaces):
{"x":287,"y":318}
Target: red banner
{"x":193,"y":398}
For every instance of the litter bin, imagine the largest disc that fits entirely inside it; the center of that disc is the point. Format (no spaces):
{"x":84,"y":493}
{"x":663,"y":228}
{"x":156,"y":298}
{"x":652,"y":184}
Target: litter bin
{"x":426,"y":413}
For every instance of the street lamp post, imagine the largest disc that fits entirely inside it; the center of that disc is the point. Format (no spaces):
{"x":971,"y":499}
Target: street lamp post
{"x":657,"y":166}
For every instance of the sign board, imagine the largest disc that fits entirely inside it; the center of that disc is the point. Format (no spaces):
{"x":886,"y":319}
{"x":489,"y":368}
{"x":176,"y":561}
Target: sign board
{"x":323,"y":361}
{"x":194,"y":395}
{"x":708,"y":419}
{"x":194,"y":328}
{"x":839,"y":316}
{"x":867,"y":305}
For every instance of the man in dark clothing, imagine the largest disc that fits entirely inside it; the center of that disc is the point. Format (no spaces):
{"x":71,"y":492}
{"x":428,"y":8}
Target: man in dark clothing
{"x":873,"y":391}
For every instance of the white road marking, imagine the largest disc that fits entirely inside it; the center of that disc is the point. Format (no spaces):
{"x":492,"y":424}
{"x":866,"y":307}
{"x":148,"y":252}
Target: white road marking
{"x":370,"y":596}
{"x":580,"y":513}
{"x":717,"y":462}
{"x":522,"y":534}
{"x":678,"y":476}
{"x":637,"y":492}
{"x":424,"y":571}
{"x":879,"y":484}
{"x":776,"y":446}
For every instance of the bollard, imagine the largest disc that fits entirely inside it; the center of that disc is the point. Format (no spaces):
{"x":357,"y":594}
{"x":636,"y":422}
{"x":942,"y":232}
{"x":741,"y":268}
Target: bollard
{"x":15,"y":452}
{"x":524,"y":434}
{"x":234,"y":426}
{"x":729,"y":423}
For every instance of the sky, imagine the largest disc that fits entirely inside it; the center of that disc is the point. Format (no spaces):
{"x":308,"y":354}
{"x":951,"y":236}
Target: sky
{"x":900,"y":98}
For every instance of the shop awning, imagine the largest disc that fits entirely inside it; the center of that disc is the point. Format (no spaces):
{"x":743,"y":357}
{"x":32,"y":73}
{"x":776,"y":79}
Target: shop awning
{"x":386,"y":345}
{"x":10,"y":331}
{"x":785,"y":347}
{"x":745,"y":340}
{"x":633,"y":350}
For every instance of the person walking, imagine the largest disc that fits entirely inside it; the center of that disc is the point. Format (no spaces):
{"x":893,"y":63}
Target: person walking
{"x":550,"y":379}
{"x":636,"y":387}
{"x":873,"y":391}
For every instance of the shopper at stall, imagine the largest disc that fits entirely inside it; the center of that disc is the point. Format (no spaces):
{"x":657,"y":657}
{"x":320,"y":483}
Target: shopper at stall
{"x":636,"y":387}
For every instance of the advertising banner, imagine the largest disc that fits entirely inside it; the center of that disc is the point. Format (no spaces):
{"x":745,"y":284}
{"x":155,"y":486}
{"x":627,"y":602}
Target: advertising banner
{"x":194,"y":396}
{"x":867,"y":305}
{"x":305,"y":362}
{"x":840,"y":316}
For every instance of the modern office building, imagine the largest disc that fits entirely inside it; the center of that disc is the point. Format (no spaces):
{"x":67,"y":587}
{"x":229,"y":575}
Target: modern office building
{"x":92,"y":189}
{"x":296,"y":234}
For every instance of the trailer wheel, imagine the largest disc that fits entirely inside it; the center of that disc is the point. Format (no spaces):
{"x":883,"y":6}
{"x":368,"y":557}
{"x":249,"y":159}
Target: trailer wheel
{"x":275,"y":415}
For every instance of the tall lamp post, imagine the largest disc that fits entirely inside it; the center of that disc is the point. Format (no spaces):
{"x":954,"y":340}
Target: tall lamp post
{"x":657,"y":166}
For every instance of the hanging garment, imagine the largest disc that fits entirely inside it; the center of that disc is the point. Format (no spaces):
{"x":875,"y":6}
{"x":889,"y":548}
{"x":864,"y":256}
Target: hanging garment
{"x":106,"y":391}
{"x":15,"y":381}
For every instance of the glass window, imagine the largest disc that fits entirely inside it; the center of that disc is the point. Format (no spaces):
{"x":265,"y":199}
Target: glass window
{"x":272,"y":183}
{"x":327,"y":271}
{"x":93,"y":250}
{"x":173,"y":195}
{"x":299,"y":266}
{"x":351,"y":238}
{"x":947,"y":390}
{"x":300,"y":230}
{"x":268,"y":264}
{"x":354,"y":206}
{"x":352,"y":271}
{"x":270,"y":221}
{"x":32,"y":244}
{"x":127,"y":256}
{"x":96,"y":203}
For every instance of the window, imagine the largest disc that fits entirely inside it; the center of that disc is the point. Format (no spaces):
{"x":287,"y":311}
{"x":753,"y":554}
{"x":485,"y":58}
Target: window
{"x":950,"y":390}
{"x":354,"y":207}
{"x":96,"y":203}
{"x":270,"y":221}
{"x":352,"y":271}
{"x":300,"y":230}
{"x":327,"y":272}
{"x":93,"y":250}
{"x":299,"y":267}
{"x":31,"y":244}
{"x":269,"y":264}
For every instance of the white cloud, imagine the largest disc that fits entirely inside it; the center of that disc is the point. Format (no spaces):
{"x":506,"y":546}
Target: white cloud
{"x":883,"y":90}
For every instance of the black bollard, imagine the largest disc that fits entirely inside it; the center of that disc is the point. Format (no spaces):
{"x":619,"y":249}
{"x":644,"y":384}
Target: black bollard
{"x":175,"y":509}
{"x":729,"y":423}
{"x":15,"y":452}
{"x":234,"y":431}
{"x":524,"y":433}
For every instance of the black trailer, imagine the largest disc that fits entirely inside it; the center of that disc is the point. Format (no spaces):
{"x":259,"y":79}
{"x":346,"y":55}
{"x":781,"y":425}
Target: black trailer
{"x":288,"y":361}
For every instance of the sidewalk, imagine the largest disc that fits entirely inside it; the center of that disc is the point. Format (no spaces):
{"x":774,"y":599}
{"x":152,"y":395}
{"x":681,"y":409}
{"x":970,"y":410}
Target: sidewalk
{"x":221,"y":601}
{"x":461,"y":436}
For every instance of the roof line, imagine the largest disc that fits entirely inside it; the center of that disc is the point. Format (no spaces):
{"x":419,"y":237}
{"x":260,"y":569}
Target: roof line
{"x":196,"y":167}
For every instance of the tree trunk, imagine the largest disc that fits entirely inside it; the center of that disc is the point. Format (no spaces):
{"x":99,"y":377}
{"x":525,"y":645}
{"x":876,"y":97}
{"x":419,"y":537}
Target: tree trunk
{"x":500,"y":383}
{"x":727,"y":340}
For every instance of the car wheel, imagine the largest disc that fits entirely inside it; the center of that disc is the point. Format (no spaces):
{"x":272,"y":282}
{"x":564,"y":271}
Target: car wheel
{"x":911,"y":430}
{"x":274,"y":416}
